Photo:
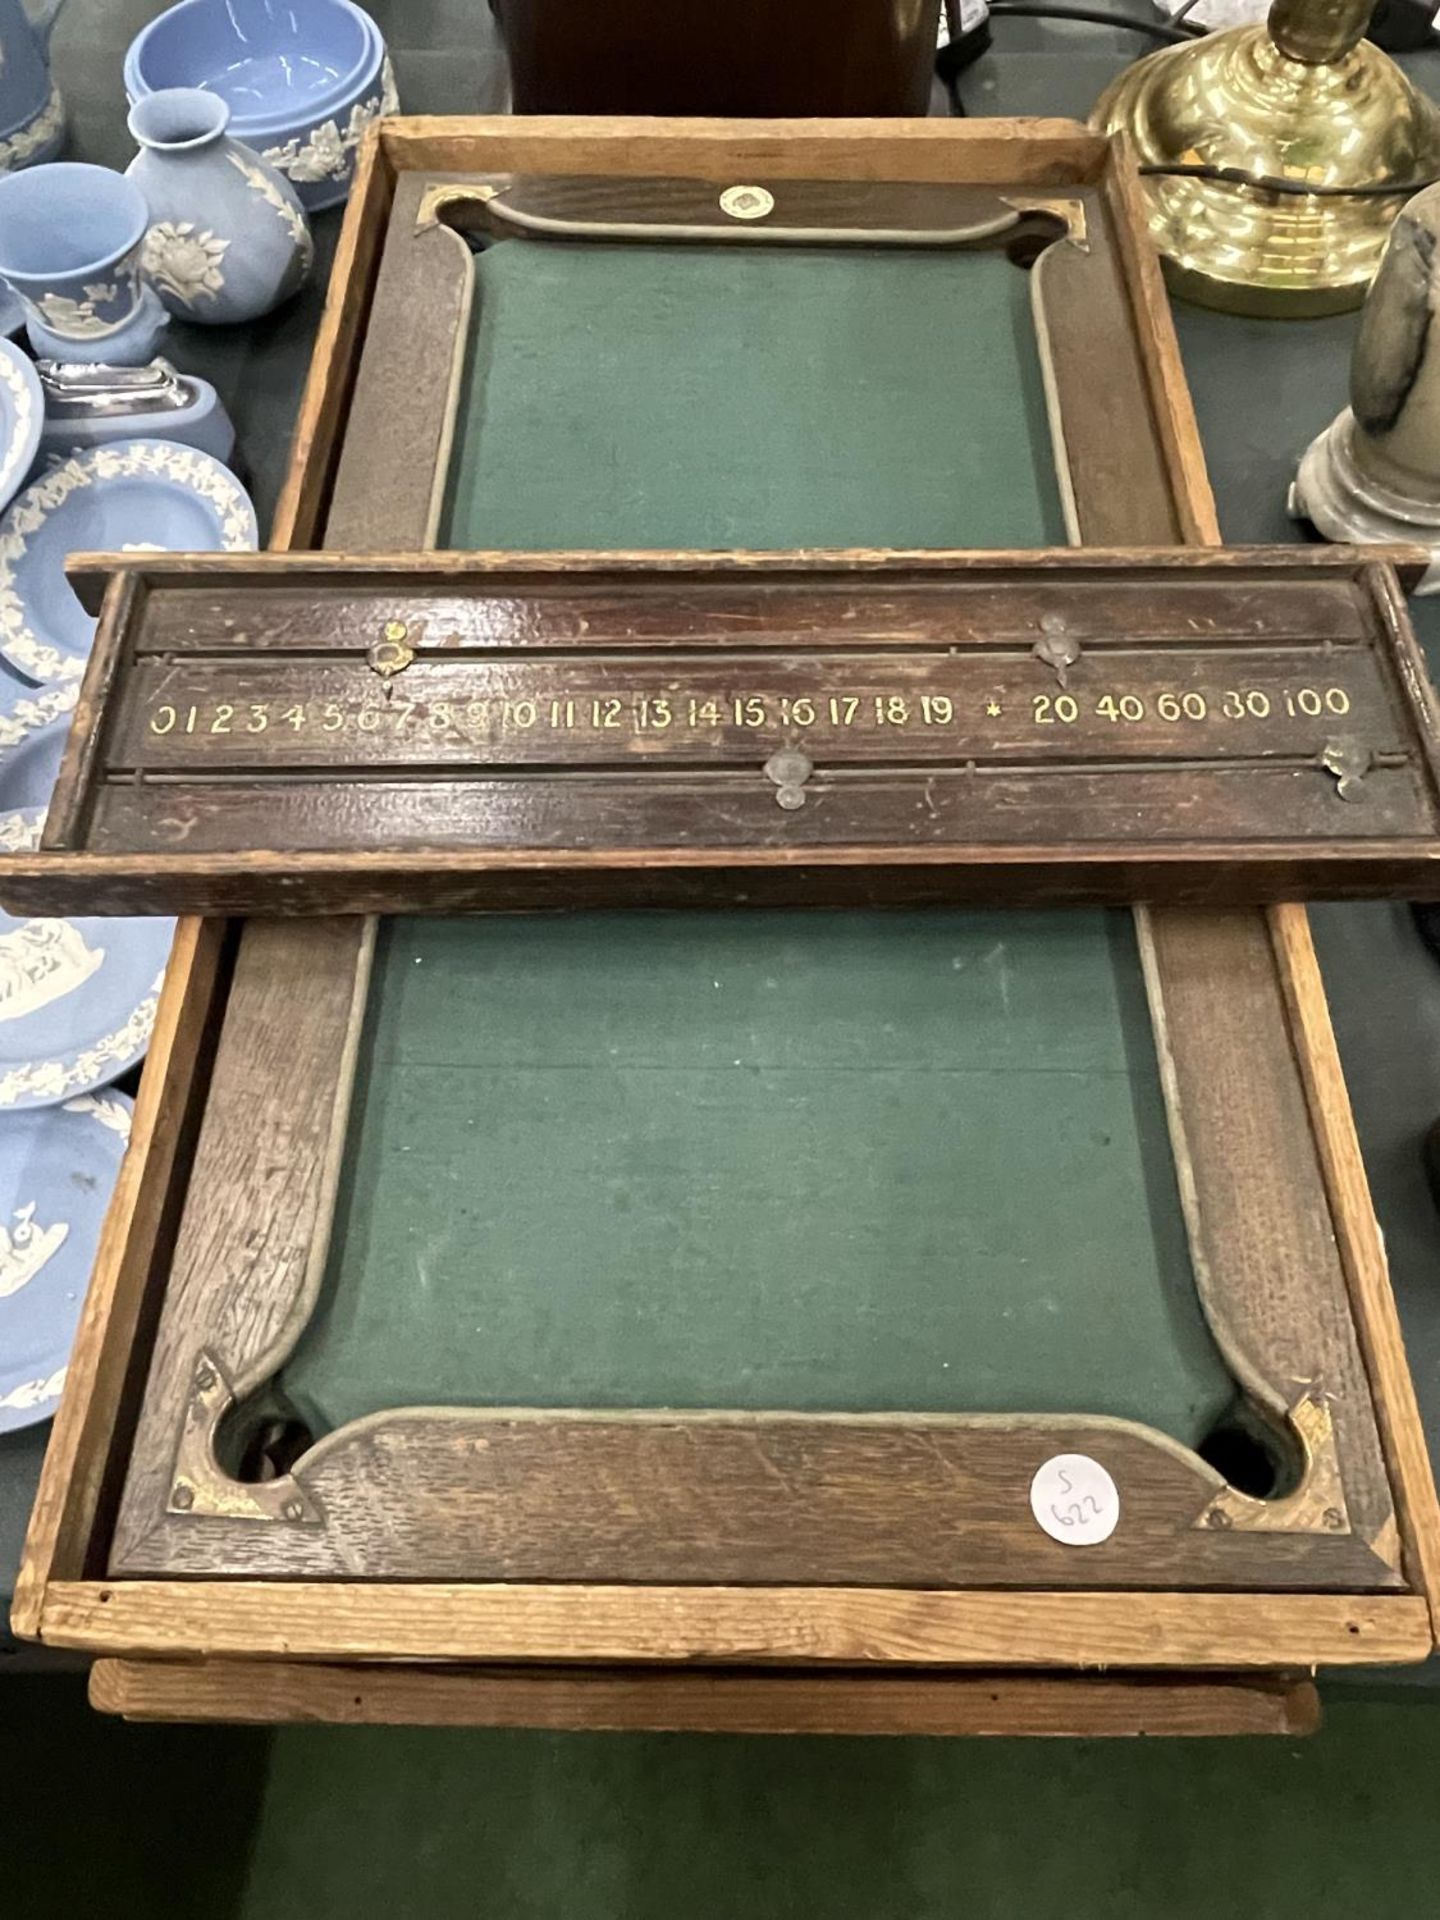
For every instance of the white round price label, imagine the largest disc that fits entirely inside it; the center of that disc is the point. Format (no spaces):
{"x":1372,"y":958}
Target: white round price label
{"x":747,"y":203}
{"x":1074,"y":1499}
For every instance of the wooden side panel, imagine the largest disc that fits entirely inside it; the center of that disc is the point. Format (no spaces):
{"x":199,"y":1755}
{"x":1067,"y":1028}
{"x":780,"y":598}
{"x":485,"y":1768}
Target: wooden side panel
{"x":889,"y":1500}
{"x":1363,"y":1251}
{"x":601,"y":1700}
{"x":249,"y":1261}
{"x":322,"y":422}
{"x":405,"y":390}
{"x":1262,"y":1240}
{"x":787,"y":1626}
{"x":1039,"y":152}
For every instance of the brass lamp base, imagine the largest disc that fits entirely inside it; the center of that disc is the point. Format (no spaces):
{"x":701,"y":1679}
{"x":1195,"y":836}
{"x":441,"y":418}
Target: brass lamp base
{"x":1235,"y":99}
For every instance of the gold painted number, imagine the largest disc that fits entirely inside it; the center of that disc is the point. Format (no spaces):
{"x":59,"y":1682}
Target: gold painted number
{"x":1048,"y":709}
{"x":1127,"y":707}
{"x":1254,"y":703}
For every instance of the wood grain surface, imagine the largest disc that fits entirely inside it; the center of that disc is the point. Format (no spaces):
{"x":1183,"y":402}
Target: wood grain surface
{"x":1032,"y":152}
{"x":777,"y":1626}
{"x":946,"y":1706}
{"x":885,"y":1500}
{"x":1275,"y":727}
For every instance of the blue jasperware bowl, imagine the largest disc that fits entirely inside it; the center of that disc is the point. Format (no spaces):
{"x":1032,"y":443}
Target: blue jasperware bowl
{"x":302,"y":78}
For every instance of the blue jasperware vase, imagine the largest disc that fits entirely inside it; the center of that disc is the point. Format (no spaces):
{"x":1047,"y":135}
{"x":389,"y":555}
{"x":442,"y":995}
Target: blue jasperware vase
{"x":70,"y":239}
{"x":32,"y":120}
{"x":228,"y":239}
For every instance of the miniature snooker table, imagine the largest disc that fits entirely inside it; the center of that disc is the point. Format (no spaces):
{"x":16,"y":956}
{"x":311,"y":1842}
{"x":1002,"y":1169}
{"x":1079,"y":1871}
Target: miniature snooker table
{"x":772,"y":1248}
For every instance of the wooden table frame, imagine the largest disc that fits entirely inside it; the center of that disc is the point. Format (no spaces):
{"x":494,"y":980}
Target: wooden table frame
{"x":1272,"y":1183}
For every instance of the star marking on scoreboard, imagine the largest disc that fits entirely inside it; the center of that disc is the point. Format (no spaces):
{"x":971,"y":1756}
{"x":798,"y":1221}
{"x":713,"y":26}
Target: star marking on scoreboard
{"x":993,"y":710}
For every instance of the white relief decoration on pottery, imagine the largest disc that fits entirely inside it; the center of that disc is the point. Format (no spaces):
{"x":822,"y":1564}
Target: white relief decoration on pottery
{"x":105,"y":1108}
{"x":77,"y":318}
{"x":27,"y":717}
{"x":33,"y":1393}
{"x":186,"y":263}
{"x":25,"y":1248}
{"x":20,"y":831}
{"x":53,"y":1079}
{"x":41,"y":961}
{"x":23,"y":403}
{"x":326,"y":154}
{"x":185,"y":465}
{"x":294,"y":218}
{"x":15,"y":151}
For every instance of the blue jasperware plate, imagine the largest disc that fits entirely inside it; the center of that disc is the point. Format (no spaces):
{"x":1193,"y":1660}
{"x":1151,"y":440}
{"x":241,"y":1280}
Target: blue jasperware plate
{"x":127,"y":496}
{"x":22,"y":413}
{"x":77,"y":997}
{"x":34,"y":722}
{"x":57,"y":1169}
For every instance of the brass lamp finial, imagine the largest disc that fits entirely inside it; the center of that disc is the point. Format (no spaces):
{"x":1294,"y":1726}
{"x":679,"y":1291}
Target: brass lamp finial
{"x":1306,"y":98}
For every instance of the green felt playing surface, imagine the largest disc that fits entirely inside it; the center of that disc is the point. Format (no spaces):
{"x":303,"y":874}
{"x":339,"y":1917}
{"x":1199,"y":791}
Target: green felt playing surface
{"x":828,"y":1161}
{"x":735,"y":397}
{"x":780,"y":1160}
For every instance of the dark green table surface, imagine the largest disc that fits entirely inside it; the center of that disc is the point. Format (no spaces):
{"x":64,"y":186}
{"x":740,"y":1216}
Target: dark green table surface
{"x":1261,"y":390}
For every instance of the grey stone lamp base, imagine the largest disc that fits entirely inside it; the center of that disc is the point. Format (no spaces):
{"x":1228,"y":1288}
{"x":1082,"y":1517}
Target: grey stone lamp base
{"x":1332,"y":490}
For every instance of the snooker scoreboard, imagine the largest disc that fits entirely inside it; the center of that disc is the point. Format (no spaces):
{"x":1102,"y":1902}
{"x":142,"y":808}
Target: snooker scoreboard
{"x":303,"y":734}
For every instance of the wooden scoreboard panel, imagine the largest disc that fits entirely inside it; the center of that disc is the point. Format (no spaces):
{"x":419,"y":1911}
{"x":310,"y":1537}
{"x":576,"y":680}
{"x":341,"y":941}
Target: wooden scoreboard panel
{"x":308,"y":734}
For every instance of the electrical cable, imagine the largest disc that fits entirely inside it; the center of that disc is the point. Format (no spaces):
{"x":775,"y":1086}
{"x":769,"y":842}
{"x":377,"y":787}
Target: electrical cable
{"x":963,"y":49}
{"x":1165,"y":30}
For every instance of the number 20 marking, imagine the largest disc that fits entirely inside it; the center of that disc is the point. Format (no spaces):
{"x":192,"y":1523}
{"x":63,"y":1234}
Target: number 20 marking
{"x":1061,"y":707}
